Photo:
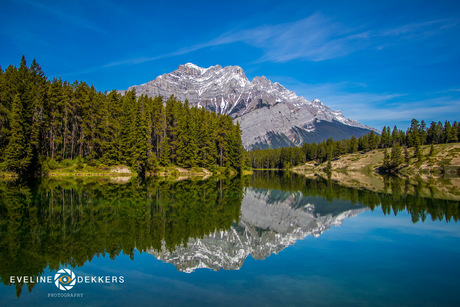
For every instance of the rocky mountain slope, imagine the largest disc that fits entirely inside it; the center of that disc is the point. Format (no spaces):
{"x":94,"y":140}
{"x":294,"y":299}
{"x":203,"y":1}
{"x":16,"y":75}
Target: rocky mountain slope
{"x":269,"y":114}
{"x":270,"y":221}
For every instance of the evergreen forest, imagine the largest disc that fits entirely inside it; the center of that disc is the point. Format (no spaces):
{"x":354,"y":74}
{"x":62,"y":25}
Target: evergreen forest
{"x":398,"y":140}
{"x":43,"y":122}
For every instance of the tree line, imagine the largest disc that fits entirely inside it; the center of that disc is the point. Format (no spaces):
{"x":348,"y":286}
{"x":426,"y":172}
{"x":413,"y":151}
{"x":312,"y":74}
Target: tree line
{"x":43,"y":120}
{"x":416,"y":135}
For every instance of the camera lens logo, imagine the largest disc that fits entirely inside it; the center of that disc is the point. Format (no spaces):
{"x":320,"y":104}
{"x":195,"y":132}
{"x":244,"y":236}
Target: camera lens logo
{"x":64,"y":279}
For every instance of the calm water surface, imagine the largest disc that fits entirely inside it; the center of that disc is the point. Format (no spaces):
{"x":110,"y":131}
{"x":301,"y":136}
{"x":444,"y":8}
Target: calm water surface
{"x":270,"y":239}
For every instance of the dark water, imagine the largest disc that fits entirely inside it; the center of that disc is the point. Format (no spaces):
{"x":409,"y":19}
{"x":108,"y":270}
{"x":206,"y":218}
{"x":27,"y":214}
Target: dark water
{"x":270,"y":239}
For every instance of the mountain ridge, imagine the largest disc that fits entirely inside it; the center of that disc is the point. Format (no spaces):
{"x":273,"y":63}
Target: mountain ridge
{"x":266,"y":110}
{"x":270,"y":222}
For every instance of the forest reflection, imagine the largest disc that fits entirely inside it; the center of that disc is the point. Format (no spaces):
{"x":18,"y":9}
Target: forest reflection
{"x":53,"y":223}
{"x":67,"y":222}
{"x":396,"y":197}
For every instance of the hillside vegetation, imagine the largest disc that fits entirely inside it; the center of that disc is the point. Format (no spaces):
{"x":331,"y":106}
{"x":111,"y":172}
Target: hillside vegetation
{"x":434,"y":175}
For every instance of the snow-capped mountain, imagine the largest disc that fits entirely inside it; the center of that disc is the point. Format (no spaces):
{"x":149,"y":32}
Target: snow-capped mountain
{"x":270,"y":221}
{"x":269,"y":114}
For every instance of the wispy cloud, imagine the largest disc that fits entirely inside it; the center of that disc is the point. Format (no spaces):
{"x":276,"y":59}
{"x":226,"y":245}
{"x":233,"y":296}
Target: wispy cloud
{"x":442,"y":107}
{"x":339,"y":95}
{"x":383,"y":109}
{"x":378,"y":109}
{"x":27,"y":37}
{"x":315,"y":38}
{"x":68,"y":17}
{"x":132,"y":61}
{"x":420,"y":29}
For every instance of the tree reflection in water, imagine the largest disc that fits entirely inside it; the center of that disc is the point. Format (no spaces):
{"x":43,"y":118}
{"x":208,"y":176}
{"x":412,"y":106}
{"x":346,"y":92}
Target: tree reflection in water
{"x":54,"y":223}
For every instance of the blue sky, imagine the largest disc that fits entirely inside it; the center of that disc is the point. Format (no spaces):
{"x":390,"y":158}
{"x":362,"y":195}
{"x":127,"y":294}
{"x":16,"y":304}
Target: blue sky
{"x":380,"y":62}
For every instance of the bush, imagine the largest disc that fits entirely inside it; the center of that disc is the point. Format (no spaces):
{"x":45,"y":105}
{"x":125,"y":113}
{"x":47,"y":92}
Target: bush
{"x":79,"y":162}
{"x":93,"y":162}
{"x":67,"y":162}
{"x":103,"y":168}
{"x":51,"y":164}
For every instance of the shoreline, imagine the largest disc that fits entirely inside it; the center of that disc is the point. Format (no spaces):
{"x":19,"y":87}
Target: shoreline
{"x":124,"y":171}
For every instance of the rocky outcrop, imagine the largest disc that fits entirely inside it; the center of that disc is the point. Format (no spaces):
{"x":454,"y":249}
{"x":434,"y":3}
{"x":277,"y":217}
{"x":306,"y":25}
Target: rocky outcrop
{"x":120,"y":169}
{"x":269,"y":114}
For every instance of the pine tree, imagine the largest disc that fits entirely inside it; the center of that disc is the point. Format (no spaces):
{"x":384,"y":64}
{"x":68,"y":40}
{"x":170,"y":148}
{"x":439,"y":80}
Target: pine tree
{"x":413,"y":134}
{"x":235,"y":148}
{"x":159,"y":123}
{"x":192,"y":126}
{"x":418,"y":152}
{"x":431,"y":150}
{"x":329,"y":168}
{"x":385,"y":138}
{"x":4,"y":129}
{"x":165,"y":159}
{"x":353,"y":144}
{"x":222,"y":141}
{"x":172,"y":113}
{"x":456,"y":131}
{"x":184,"y":137}
{"x":386,"y":159}
{"x":423,"y":133}
{"x":38,"y":85}
{"x":209,"y":147}
{"x":390,"y":138}
{"x":406,"y":155}
{"x":112,"y":112}
{"x":395,"y":136}
{"x":16,"y":154}
{"x":127,"y":126}
{"x":440,"y":130}
{"x":450,"y":135}
{"x":55,"y":117}
{"x":432,"y":134}
{"x":140,"y":142}
{"x":372,"y":143}
{"x":396,"y":156}
{"x":365,"y":143}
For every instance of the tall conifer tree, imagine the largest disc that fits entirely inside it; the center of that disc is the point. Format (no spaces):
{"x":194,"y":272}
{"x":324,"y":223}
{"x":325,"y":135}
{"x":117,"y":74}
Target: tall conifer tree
{"x":16,"y":152}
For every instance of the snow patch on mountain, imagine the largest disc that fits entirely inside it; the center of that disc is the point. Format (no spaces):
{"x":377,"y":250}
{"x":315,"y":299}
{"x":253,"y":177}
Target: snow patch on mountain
{"x":262,"y":107}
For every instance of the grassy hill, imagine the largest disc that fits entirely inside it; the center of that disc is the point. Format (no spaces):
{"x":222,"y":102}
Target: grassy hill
{"x":434,"y":175}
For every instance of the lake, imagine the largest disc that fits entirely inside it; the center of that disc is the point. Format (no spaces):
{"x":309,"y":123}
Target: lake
{"x":270,"y":239}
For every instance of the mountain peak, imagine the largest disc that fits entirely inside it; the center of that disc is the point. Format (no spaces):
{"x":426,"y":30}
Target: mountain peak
{"x":192,"y":69}
{"x":263,"y":81}
{"x":191,"y":65}
{"x":269,"y":114}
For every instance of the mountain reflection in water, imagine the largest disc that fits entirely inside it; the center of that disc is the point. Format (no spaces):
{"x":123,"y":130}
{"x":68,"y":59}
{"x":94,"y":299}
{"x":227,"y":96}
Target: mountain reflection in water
{"x":214,"y":223}
{"x":270,"y":221}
